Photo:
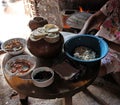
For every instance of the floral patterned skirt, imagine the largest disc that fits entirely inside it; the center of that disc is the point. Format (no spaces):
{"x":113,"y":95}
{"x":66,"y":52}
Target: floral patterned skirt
{"x":112,"y":61}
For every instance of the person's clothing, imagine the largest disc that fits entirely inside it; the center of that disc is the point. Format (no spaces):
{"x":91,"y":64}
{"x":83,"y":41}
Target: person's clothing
{"x":110,"y":30}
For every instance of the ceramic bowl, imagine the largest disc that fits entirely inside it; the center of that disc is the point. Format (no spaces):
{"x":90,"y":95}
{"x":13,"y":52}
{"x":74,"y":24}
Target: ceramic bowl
{"x":42,"y":76}
{"x":20,"y":66}
{"x":14,"y":46}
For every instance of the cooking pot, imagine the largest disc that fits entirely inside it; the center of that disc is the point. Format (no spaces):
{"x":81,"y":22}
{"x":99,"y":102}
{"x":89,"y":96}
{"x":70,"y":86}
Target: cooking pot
{"x":44,"y":49}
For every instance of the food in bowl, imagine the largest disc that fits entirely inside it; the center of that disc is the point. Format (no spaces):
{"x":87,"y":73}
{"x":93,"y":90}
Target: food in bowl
{"x":52,"y":37}
{"x":82,"y":43}
{"x":95,"y":43}
{"x":42,"y":76}
{"x":49,"y":32}
{"x":20,"y":65}
{"x":51,"y":28}
{"x":84,"y":53}
{"x":14,"y":46}
{"x":38,"y":34}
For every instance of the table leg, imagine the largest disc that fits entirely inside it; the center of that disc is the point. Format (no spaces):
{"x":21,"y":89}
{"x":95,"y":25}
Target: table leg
{"x":68,"y":100}
{"x":23,"y":99}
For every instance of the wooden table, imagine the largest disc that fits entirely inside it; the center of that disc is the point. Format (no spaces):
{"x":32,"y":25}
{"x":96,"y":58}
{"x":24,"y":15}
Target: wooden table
{"x":60,"y":88}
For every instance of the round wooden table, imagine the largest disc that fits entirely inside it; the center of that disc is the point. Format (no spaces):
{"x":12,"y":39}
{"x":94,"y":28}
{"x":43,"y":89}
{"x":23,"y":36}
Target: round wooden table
{"x":60,"y":88}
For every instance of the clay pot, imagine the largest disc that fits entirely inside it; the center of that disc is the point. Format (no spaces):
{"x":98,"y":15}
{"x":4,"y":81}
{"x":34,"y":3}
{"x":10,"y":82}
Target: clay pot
{"x":44,"y":49}
{"x":37,"y":22}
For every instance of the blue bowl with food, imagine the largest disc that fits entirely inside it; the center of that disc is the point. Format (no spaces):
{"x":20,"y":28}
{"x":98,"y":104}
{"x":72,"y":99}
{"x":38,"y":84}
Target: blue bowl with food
{"x":85,"y":50}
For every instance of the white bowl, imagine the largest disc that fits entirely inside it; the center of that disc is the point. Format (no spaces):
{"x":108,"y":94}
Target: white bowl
{"x":42,"y":76}
{"x":20,"y":65}
{"x":14,"y":46}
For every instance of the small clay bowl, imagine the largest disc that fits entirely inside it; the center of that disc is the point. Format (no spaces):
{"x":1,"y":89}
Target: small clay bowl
{"x":42,"y":76}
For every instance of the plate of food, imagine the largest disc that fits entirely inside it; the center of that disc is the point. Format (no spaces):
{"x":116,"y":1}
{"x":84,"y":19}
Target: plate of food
{"x":20,"y":65}
{"x":14,"y":46}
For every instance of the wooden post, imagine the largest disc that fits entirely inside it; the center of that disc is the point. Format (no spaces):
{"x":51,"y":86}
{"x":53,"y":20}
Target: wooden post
{"x":67,"y":100}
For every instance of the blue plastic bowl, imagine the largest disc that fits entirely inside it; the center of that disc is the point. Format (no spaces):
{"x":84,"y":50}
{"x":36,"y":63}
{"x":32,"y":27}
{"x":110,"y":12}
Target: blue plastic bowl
{"x":93,"y":42}
{"x":90,"y":67}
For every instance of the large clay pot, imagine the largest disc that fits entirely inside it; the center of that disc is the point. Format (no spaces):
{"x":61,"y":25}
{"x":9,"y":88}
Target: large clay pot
{"x":44,"y":49}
